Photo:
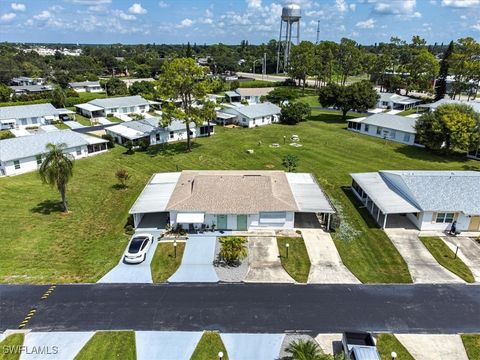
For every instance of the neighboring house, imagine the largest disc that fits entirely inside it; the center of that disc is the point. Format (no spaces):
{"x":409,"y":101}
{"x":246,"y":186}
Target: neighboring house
{"x":24,"y":154}
{"x":151,"y":131}
{"x":386,"y":126}
{"x":21,"y":116}
{"x":25,"y":81}
{"x":30,"y":89}
{"x":251,"y":95}
{"x":251,"y":115}
{"x":86,"y":86}
{"x":433,"y":106}
{"x":431,"y":200}
{"x":396,"y":102}
{"x":230,"y":200}
{"x":114,"y":106}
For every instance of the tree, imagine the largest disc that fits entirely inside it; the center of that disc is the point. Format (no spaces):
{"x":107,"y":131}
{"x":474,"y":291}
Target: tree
{"x":122,"y":175}
{"x":349,"y":59}
{"x":57,"y":170}
{"x":143,"y":71}
{"x":422,"y":69}
{"x":183,"y":79}
{"x":293,"y":113}
{"x":144,"y":88}
{"x":290,"y":162}
{"x":441,"y":83}
{"x":282,"y":94}
{"x":209,"y":113}
{"x":465,"y":66}
{"x":58,"y":97}
{"x":234,"y":85}
{"x":233,"y":249}
{"x":116,"y":87}
{"x":5,"y":93}
{"x":324,"y":63}
{"x":301,"y":62}
{"x":304,"y":350}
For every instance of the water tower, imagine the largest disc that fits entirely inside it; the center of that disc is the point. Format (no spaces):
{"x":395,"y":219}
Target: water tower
{"x":291,"y":15}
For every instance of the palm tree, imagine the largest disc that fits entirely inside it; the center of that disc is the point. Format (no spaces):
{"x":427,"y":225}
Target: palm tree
{"x":304,"y":350}
{"x":209,"y":113}
{"x":57,"y":169}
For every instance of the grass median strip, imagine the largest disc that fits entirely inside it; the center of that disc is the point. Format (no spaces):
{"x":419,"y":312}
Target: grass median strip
{"x":209,"y":346}
{"x":10,"y":347}
{"x":164,"y":262}
{"x":386,"y":343}
{"x":297,"y":263}
{"x":446,"y":257}
{"x":471,"y":342}
{"x":109,"y":345}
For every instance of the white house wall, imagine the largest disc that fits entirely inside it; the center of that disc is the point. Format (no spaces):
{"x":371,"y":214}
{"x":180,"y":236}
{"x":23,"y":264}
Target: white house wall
{"x":428,"y":223}
{"x":22,"y":123}
{"x":128,"y":110}
{"x":398,"y":136}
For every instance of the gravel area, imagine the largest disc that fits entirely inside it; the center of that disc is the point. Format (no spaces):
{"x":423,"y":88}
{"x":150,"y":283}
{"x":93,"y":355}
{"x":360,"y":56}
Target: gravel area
{"x":230,"y":273}
{"x":288,"y":339}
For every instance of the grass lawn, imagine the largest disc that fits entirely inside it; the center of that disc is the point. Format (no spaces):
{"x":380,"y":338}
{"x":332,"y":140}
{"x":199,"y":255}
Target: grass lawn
{"x":446,"y":257}
{"x":40,"y":245}
{"x":298,"y":262}
{"x":83,"y":120}
{"x":114,"y":119}
{"x":386,"y":343}
{"x":164,"y":264}
{"x":109,"y":345}
{"x":412,"y":111}
{"x":471,"y":342}
{"x":209,"y":346}
{"x":12,"y":343}
{"x":258,"y":83}
{"x":311,"y":100}
{"x":61,"y":126}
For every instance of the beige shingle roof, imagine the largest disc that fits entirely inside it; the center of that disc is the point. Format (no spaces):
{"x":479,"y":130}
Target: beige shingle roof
{"x":254,"y":91}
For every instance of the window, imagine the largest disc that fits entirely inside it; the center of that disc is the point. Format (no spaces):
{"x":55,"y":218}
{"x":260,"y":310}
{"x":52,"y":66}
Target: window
{"x":171,"y":134}
{"x":157,"y":137}
{"x":263,"y":119}
{"x":366,"y":127}
{"x":379,"y":130}
{"x":79,"y":151}
{"x":406,"y":137}
{"x":16,"y":164}
{"x":393,"y":134}
{"x":34,"y":120}
{"x":244,"y":120}
{"x":39,"y":159}
{"x":445,"y":218}
{"x":24,"y":121}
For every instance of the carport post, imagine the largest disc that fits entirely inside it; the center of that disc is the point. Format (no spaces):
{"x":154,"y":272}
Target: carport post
{"x":385,"y":221}
{"x":328,"y":222}
{"x":378,"y":214}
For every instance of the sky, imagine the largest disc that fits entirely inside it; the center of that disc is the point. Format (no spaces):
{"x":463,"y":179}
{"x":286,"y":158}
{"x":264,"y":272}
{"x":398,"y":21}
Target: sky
{"x":230,"y":21}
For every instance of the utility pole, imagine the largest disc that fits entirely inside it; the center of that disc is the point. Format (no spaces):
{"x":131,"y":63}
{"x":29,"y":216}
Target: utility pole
{"x":264,"y":72}
{"x":318,"y":32}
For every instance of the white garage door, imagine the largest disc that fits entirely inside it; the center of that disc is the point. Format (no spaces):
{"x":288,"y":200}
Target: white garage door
{"x":272,"y":218}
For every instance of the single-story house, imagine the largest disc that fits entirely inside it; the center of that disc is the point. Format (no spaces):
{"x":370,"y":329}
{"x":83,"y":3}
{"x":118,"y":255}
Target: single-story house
{"x":30,"y":89}
{"x":433,"y":106}
{"x":25,"y":154}
{"x":431,"y":200}
{"x":24,"y":80}
{"x":116,"y":105}
{"x":86,"y":86}
{"x":252,"y":115}
{"x":22,"y":116}
{"x":154,"y":133}
{"x":396,"y":102}
{"x":230,"y":200}
{"x":386,"y":126}
{"x":251,"y":95}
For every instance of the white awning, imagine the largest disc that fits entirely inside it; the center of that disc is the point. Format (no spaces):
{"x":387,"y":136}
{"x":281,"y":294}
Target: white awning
{"x":190,"y":218}
{"x":8,"y":121}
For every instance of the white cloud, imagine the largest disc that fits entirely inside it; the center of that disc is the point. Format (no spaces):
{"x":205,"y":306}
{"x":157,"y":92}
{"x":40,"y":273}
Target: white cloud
{"x":402,"y":9}
{"x":352,"y":7}
{"x":91,"y":2}
{"x":367,"y":24}
{"x":137,"y":9}
{"x":315,"y":13}
{"x":341,"y":5}
{"x":123,"y":16}
{"x":254,"y":4}
{"x":476,"y":27}
{"x":460,"y":3}
{"x":44,"y":15}
{"x":185,"y":23}
{"x":18,"y":7}
{"x":7,"y":17}
{"x":163,"y":4}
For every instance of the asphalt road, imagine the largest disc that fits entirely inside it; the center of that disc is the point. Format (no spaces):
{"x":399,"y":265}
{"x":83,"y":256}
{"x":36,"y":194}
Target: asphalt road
{"x":246,"y":307}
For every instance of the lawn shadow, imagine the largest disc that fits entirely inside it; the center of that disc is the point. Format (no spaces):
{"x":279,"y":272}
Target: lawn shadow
{"x":419,"y":153}
{"x":361,"y":208}
{"x":170,"y":149}
{"x":47,"y":207}
{"x":119,"y":187}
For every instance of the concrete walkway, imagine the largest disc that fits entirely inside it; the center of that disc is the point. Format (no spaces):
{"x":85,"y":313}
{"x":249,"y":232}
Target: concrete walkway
{"x":433,"y":347}
{"x":330,"y":343}
{"x":55,"y":345}
{"x":422,"y":265}
{"x":166,"y":345}
{"x":197,"y":261}
{"x":132,"y":273}
{"x":264,"y":259}
{"x":252,"y":346}
{"x":327,"y":266}
{"x":469,"y":252}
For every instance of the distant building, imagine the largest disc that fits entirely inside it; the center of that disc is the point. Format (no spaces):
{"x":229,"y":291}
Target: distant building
{"x":25,"y":154}
{"x":249,"y":115}
{"x":433,"y":106}
{"x":30,"y":89}
{"x":21,"y":116}
{"x":24,"y":80}
{"x":86,"y":86}
{"x":114,"y":106}
{"x":251,"y":95}
{"x":396,"y":102}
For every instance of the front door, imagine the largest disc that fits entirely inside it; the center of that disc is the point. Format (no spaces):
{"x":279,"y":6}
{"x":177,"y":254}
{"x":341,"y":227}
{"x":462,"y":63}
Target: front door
{"x":221,"y":222}
{"x":474,"y":223}
{"x":242,"y":222}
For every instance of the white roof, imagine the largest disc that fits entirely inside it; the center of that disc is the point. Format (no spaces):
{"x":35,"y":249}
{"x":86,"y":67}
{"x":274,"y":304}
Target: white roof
{"x":383,"y":195}
{"x":389,"y":121}
{"x":88,"y":107}
{"x":157,"y":193}
{"x":255,"y":110}
{"x":190,"y":218}
{"x":126,"y":132}
{"x":308,"y":194}
{"x":27,"y":111}
{"x":474,"y":104}
{"x":116,"y":102}
{"x":92,"y":140}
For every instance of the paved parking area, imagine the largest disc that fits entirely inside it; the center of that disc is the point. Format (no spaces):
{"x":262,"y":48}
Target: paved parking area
{"x":197,"y":261}
{"x":55,"y":345}
{"x":422,"y":265}
{"x":264,"y":259}
{"x":252,"y":346}
{"x":330,"y":343}
{"x":469,"y":252}
{"x":327,"y":266}
{"x":433,"y":347}
{"x":166,"y":345}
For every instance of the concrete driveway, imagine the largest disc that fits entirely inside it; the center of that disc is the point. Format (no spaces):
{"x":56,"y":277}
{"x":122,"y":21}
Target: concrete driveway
{"x":166,"y":345}
{"x":422,"y":265}
{"x":327,"y":266}
{"x":264,"y":259}
{"x":197,"y":261}
{"x":433,"y":347}
{"x":252,"y":346}
{"x":469,"y":252}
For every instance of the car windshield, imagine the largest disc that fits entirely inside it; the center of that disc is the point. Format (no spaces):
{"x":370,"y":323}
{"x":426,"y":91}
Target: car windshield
{"x":135,"y":244}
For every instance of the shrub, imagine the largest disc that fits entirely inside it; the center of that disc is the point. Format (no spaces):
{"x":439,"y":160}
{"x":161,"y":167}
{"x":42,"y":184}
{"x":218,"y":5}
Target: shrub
{"x":110,"y":139}
{"x":129,"y":230}
{"x":290,"y":162}
{"x":122,"y":175}
{"x":233,"y":249}
{"x":130,"y":149}
{"x":143,"y":144}
{"x":6,"y":134}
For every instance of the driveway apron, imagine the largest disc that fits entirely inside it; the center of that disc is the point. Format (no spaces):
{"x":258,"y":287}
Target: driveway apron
{"x":252,"y":346}
{"x":433,"y":347}
{"x":265,"y":264}
{"x":469,"y":252}
{"x":166,"y":345}
{"x":422,"y":265}
{"x":327,"y":266}
{"x":197,"y":261}
{"x":55,"y":345}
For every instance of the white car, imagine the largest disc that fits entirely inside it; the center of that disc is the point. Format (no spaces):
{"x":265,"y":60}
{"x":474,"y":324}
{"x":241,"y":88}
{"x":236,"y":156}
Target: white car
{"x":138,"y":248}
